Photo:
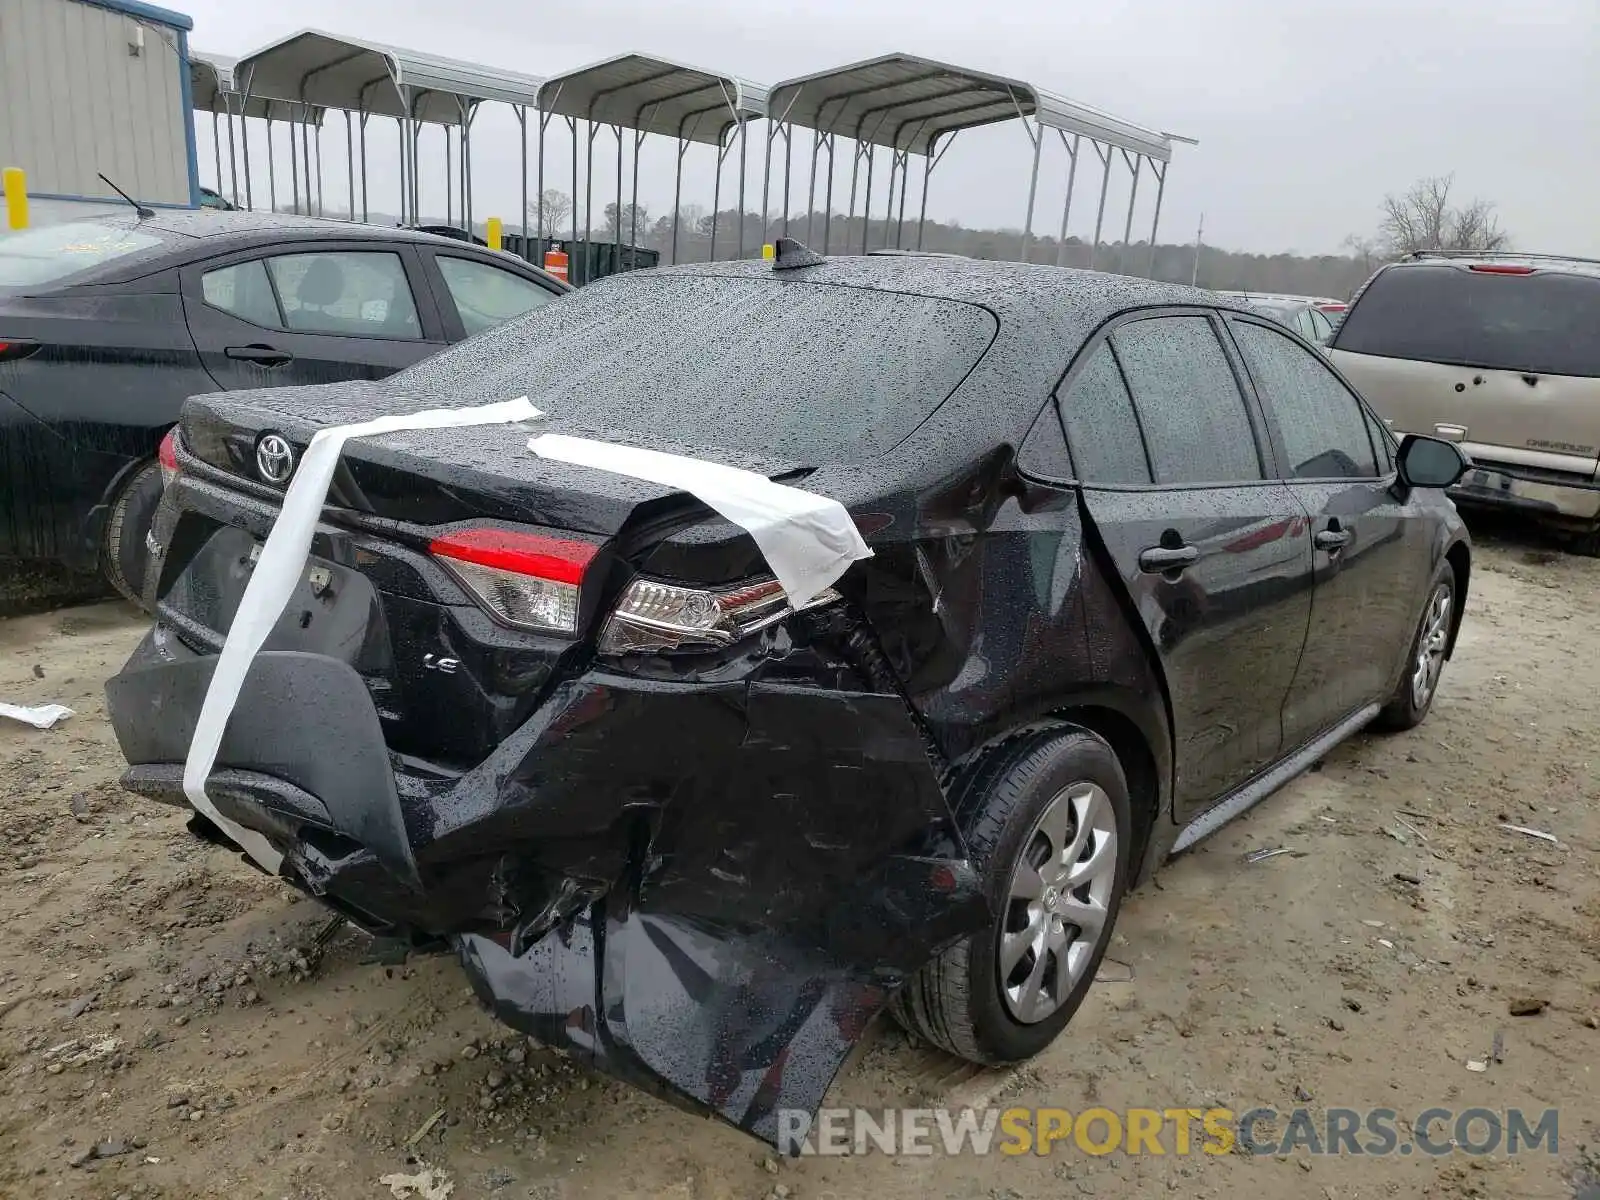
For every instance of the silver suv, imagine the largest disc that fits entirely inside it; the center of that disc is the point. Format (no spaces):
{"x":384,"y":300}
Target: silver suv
{"x":1499,"y":353}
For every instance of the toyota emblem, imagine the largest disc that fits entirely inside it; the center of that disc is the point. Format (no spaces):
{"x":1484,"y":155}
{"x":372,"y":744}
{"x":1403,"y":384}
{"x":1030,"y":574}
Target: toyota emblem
{"x":274,"y":459}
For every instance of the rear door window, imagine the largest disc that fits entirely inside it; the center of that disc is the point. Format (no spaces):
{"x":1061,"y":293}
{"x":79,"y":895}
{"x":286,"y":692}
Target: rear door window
{"x":1541,"y":323}
{"x":1193,"y":414}
{"x":1322,"y":424}
{"x":1102,"y":427}
{"x":357,"y":293}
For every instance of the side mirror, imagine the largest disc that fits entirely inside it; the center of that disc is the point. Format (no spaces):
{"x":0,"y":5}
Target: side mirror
{"x":1430,"y":463}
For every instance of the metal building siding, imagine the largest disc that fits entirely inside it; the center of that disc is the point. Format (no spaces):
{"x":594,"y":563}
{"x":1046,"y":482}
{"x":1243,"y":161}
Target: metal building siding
{"x":74,"y":102}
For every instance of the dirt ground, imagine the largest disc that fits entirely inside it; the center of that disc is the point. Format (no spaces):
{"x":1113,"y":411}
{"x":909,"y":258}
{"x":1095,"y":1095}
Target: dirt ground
{"x":162,"y":1002}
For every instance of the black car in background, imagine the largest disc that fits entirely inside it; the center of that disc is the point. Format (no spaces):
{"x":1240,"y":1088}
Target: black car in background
{"x":1138,"y":559}
{"x":108,"y":324}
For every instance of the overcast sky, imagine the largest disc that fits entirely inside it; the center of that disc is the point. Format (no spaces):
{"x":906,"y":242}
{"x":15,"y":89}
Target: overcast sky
{"x":1307,"y":111}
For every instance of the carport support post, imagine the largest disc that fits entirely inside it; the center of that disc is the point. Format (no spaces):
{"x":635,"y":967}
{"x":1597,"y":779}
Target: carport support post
{"x":927,"y":178}
{"x":888,"y":209}
{"x":588,"y":181}
{"x":827,"y":200}
{"x":294,"y":167}
{"x":855,"y":173}
{"x":572,"y":127}
{"x":1066,"y":205}
{"x":1105,"y":182}
{"x":216,"y":145}
{"x":811,"y":188}
{"x":677,"y":198}
{"x":1037,"y":134}
{"x":272,"y":180}
{"x":866,"y":203}
{"x":350,"y":163}
{"x":1155,"y":221}
{"x":449,"y":180}
{"x":522,"y":126}
{"x":905,"y":184}
{"x":633,"y":218}
{"x":244,"y":142}
{"x":716,"y":201}
{"x":233,"y":165}
{"x":744,"y":163}
{"x":318,"y":139}
{"x":363,"y":125}
{"x":616,"y":265}
{"x":766,"y":179}
{"x":788,"y":168}
{"x":1133,"y":197}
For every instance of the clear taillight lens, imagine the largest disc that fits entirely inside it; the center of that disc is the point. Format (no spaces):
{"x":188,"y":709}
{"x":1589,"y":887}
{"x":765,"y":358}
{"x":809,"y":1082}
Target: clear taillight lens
{"x":525,"y":580}
{"x":168,"y":457}
{"x":653,"y":616}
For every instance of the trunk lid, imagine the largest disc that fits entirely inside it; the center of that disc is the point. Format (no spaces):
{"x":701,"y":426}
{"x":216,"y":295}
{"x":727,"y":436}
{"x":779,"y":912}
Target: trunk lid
{"x":449,"y":683}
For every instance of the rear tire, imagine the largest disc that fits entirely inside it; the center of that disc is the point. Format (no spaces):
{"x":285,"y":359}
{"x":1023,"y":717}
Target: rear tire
{"x":1587,"y":544}
{"x":1048,"y":824}
{"x":1413,"y":698}
{"x":123,"y":554}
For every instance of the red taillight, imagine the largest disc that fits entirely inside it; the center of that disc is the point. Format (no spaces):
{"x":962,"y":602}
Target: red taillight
{"x":168,"y":456}
{"x":1498,"y":269}
{"x":12,"y":348}
{"x":527,"y":580}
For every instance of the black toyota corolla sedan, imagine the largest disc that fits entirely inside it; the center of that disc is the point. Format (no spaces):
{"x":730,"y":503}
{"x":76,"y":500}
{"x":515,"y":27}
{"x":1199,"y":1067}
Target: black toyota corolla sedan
{"x":1137,"y":559}
{"x":108,"y":323}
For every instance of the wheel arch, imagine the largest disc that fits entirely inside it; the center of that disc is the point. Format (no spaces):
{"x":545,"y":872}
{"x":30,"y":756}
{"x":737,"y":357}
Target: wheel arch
{"x":1459,"y":556}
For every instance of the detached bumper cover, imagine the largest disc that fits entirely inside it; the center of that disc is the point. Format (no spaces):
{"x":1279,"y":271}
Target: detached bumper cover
{"x":707,"y":888}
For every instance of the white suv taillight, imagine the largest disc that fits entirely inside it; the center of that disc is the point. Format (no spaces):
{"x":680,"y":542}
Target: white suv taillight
{"x":167,"y":455}
{"x":653,"y":616}
{"x":525,"y":580}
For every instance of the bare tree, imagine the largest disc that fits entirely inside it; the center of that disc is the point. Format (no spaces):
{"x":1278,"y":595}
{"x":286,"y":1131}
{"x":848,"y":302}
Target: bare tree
{"x":1365,"y":249}
{"x":1424,"y":219}
{"x":557,"y":208}
{"x":631,"y":219}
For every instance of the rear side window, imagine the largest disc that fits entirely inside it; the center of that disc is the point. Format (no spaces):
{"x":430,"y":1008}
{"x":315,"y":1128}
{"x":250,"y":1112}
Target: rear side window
{"x":1543,"y":323}
{"x":805,"y":372}
{"x":1189,"y":404}
{"x":31,"y":257}
{"x":1102,"y":428}
{"x":487,"y":296}
{"x":243,"y":290}
{"x":1323,"y":427}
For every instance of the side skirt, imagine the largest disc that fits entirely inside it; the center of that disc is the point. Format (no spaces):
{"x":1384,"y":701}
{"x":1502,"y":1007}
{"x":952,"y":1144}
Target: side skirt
{"x":1263,"y":785}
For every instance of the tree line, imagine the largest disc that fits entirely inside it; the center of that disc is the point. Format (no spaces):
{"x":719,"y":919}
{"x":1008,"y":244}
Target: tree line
{"x":1424,"y":217}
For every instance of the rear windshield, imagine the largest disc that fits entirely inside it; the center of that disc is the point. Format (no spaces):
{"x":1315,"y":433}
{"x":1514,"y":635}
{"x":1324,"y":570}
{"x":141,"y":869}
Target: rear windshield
{"x":1547,"y":323}
{"x":31,"y":257}
{"x":808,"y":373}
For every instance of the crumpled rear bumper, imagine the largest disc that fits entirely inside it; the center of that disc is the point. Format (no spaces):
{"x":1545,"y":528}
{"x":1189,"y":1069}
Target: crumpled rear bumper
{"x":708,"y":887}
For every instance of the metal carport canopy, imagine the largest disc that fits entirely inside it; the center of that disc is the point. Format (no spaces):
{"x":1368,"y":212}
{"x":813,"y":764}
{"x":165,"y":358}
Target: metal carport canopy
{"x":212,"y":90}
{"x":340,"y":72}
{"x":649,"y":95}
{"x":907,"y":103}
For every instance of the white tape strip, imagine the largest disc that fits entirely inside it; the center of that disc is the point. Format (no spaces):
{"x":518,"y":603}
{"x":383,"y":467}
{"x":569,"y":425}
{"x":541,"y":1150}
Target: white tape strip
{"x":273,"y":582}
{"x":808,"y":540}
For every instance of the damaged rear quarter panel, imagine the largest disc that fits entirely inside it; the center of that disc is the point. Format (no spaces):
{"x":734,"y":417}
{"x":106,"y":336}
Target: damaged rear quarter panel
{"x":784,"y":860}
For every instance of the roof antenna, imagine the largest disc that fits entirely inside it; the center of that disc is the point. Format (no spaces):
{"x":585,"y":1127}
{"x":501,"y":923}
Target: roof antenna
{"x":787,"y":255}
{"x":137,"y":207}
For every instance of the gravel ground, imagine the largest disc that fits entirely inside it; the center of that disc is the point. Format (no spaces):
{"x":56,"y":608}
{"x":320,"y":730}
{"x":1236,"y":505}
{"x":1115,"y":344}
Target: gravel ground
{"x":170,"y":1025}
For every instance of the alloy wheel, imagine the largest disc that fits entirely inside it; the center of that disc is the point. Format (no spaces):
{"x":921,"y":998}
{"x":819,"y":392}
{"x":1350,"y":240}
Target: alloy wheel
{"x":1058,"y":902}
{"x":1430,"y":646}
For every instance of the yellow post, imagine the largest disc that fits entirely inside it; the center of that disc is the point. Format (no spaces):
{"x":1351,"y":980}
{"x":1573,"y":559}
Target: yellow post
{"x":16,"y":185}
{"x":495,"y":231}
{"x":769,"y":251}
